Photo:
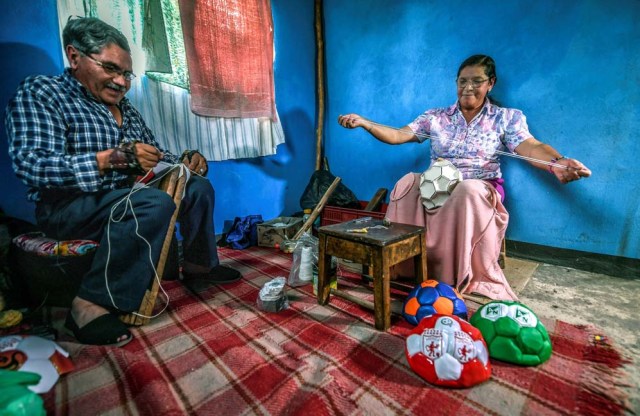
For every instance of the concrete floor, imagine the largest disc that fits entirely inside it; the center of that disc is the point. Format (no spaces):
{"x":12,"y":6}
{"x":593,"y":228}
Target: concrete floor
{"x":609,"y":303}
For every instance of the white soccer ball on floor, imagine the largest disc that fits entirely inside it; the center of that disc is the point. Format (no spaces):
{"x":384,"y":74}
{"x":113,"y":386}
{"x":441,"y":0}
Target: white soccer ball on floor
{"x":437,"y":183}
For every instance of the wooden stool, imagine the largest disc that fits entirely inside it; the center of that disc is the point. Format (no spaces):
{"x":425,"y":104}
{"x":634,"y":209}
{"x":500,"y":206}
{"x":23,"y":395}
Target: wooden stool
{"x":380,"y":248}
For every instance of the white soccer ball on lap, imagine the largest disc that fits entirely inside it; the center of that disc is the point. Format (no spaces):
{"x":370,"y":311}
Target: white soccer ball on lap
{"x":437,"y":183}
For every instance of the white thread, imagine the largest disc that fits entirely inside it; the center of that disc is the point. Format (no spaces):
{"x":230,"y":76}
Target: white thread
{"x":306,"y":264}
{"x":128,"y":204}
{"x":557,"y":165}
{"x":515,"y":155}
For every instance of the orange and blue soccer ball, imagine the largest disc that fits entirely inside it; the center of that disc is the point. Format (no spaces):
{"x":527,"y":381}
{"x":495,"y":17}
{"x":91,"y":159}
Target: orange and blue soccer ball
{"x":431,"y":297}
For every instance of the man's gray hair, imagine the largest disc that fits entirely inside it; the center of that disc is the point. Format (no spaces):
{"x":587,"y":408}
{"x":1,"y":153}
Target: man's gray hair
{"x":90,"y":35}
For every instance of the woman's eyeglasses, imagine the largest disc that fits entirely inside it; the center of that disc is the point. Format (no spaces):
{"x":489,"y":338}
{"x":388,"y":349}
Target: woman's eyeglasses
{"x":475,"y":83}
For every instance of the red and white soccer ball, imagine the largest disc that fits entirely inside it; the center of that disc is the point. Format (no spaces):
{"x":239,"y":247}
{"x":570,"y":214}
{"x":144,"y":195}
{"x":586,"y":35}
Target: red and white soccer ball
{"x":35,"y":355}
{"x":448,"y":351}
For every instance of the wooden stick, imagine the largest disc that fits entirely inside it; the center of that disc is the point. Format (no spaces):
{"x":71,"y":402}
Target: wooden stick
{"x":376,"y":200}
{"x":345,"y":295}
{"x":175,"y":184}
{"x":316,"y":211}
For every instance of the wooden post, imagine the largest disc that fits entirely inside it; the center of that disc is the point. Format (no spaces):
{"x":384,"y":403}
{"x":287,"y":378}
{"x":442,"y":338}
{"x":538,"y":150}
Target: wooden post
{"x":319,"y":82}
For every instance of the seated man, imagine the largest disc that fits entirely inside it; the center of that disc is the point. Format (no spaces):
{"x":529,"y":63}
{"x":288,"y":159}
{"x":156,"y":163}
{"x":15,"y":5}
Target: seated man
{"x":75,"y":141}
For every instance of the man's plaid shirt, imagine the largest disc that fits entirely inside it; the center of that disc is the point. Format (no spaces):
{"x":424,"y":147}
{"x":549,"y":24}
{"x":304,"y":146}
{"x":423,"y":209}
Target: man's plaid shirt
{"x":55,"y":128}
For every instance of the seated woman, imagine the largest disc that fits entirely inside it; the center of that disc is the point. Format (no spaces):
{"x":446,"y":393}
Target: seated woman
{"x":464,"y":236}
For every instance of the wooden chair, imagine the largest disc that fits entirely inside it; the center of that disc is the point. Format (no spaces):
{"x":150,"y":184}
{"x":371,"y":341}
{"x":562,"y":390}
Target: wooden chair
{"x":172,"y":183}
{"x":502,"y":259}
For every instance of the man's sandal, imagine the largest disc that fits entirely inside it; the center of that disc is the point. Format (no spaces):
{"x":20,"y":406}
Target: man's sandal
{"x":104,"y":330}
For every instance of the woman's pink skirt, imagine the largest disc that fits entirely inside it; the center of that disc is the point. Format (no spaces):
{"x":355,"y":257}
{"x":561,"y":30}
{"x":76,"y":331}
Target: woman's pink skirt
{"x":464,"y":236}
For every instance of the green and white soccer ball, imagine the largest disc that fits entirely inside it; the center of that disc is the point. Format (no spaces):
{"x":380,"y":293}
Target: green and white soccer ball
{"x":437,"y":183}
{"x":513,"y":333}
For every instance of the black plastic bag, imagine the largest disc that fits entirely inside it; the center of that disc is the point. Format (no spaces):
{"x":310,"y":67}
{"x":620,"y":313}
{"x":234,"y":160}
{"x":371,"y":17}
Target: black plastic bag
{"x":320,"y":181}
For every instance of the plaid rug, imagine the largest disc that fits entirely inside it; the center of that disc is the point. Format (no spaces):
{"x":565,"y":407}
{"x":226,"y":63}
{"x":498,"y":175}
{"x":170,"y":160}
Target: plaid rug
{"x":213,"y":352}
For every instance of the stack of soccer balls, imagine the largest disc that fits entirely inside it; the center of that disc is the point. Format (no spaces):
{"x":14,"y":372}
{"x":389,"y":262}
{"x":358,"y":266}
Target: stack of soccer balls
{"x":447,"y":350}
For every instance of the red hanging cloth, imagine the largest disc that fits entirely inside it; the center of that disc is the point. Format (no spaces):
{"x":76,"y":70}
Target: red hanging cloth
{"x":229,"y":48}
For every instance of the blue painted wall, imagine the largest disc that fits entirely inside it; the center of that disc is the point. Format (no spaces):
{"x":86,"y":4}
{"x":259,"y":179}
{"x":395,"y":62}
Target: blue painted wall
{"x":28,"y":46}
{"x":572,"y":66}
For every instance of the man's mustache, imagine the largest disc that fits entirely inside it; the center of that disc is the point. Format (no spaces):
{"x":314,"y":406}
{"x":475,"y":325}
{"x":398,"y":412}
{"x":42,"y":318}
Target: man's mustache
{"x":116,"y":87}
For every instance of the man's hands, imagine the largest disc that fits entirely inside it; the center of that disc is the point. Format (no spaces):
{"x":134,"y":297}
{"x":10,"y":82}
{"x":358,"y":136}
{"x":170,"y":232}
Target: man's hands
{"x":147,"y":156}
{"x":139,"y":158}
{"x":195,"y":162}
{"x":129,"y":158}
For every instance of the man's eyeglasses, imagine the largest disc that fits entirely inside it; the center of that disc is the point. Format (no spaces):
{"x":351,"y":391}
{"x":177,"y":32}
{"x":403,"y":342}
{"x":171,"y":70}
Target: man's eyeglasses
{"x":111,"y":69}
{"x":475,"y":83}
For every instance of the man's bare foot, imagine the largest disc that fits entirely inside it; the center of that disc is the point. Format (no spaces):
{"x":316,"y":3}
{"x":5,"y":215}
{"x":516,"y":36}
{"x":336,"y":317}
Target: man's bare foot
{"x":83,"y":312}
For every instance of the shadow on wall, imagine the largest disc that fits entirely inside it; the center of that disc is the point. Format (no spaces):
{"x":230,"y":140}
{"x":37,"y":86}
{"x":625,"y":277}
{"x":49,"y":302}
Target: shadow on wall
{"x":268,"y":185}
{"x":294,"y":162}
{"x":19,"y":61}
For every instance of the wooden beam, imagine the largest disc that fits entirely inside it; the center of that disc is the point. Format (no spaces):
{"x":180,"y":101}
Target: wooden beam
{"x":319,"y":82}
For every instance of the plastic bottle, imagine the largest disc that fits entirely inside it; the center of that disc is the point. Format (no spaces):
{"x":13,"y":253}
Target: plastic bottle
{"x":306,"y":215}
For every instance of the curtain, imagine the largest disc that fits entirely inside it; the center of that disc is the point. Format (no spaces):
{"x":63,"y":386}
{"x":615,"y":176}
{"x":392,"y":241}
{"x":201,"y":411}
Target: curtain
{"x":162,"y":103}
{"x":167,"y":108}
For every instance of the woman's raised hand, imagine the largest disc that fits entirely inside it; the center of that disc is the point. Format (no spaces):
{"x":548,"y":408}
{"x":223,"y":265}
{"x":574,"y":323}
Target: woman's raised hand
{"x":351,"y":121}
{"x":575,"y":170}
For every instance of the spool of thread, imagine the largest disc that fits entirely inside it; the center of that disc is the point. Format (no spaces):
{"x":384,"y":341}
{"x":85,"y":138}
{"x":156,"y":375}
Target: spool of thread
{"x":306,"y":264}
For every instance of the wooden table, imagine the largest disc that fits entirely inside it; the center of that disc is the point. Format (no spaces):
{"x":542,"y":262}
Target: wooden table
{"x":380,"y":248}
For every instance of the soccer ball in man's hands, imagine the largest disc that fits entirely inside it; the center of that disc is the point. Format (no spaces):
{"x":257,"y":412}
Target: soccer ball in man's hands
{"x":513,"y":333}
{"x":437,"y":183}
{"x":448,"y":351}
{"x":431,"y":297}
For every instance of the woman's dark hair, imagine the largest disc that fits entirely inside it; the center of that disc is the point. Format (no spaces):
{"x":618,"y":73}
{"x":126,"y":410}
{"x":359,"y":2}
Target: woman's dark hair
{"x":90,"y":35}
{"x":489,"y":66}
